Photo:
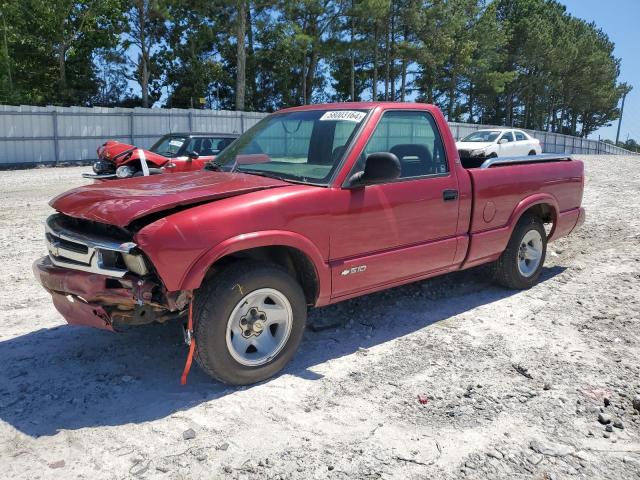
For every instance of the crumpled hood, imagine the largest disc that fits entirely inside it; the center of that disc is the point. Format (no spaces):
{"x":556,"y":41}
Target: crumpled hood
{"x":112,"y":150}
{"x":120,"y":202}
{"x":472,"y":145}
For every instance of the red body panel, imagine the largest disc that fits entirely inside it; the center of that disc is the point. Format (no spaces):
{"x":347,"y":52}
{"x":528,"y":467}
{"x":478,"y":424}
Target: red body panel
{"x":399,"y":231}
{"x":74,"y":283}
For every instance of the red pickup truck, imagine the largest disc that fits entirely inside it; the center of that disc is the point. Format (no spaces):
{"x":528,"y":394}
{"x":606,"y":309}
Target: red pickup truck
{"x":311,"y":206}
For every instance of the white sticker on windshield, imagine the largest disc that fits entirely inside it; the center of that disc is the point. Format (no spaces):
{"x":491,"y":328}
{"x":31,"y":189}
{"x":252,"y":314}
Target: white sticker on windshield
{"x":176,"y":143}
{"x":348,"y":115}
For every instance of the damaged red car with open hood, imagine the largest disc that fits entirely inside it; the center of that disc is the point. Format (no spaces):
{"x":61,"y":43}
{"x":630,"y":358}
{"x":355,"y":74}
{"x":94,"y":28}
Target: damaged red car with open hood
{"x":174,"y":152}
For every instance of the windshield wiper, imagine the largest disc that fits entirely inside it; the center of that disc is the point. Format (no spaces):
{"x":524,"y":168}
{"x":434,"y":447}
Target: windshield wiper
{"x":261,"y":173}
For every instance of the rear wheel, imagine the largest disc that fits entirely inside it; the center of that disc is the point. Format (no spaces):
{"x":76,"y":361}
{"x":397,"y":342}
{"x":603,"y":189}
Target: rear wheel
{"x":532,"y":152}
{"x":520,"y":265}
{"x":249,"y":320}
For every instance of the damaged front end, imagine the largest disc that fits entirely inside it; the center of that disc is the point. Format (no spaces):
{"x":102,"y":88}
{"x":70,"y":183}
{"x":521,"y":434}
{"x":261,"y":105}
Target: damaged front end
{"x":98,"y":277}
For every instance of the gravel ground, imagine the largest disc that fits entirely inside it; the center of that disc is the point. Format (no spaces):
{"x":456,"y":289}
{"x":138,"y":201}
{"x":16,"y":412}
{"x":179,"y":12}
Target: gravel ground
{"x":447,"y":378}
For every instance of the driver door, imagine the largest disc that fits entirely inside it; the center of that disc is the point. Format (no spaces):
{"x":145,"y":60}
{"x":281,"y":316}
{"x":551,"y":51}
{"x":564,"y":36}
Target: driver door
{"x":509,"y":148}
{"x":185,"y":163}
{"x":403,"y":229}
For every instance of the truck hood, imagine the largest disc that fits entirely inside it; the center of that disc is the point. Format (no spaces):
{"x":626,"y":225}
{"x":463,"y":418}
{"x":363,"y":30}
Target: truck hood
{"x":472,"y":145}
{"x":123,"y":201}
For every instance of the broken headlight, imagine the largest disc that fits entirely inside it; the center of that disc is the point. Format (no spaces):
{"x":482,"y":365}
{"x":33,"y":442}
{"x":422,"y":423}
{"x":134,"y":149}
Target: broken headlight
{"x":125,"y":171}
{"x":135,"y":263}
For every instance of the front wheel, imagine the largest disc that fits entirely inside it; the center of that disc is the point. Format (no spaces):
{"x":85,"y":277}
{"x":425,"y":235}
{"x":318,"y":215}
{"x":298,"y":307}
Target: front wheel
{"x":520,"y":265}
{"x":249,"y":321}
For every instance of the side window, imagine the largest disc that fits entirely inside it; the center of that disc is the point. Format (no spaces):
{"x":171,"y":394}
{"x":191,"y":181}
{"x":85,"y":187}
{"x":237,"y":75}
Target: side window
{"x":508,"y":136}
{"x":220,"y":144}
{"x":193,"y":145}
{"x":520,"y":137}
{"x":414,"y":139}
{"x":208,"y":147}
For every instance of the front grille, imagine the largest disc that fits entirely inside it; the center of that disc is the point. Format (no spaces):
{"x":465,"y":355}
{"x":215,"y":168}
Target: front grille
{"x":66,"y":244}
{"x":464,"y":153}
{"x":72,"y":248}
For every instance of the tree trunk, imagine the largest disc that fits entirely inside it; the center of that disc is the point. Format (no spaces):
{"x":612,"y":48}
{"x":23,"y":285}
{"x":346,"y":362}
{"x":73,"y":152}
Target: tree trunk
{"x":509,"y":111}
{"x":251,"y":64}
{"x":311,"y":73}
{"x":403,"y":71}
{"x":451,"y":95}
{"x":471,"y":102}
{"x":352,"y":80}
{"x":403,"y":80}
{"x":62,"y":68}
{"x":6,"y":54}
{"x":392,"y":65}
{"x":241,"y":22}
{"x":303,"y":81}
{"x":143,"y":60}
{"x":387,"y":71}
{"x":574,"y":124}
{"x":144,"y":81}
{"x":374,"y":86}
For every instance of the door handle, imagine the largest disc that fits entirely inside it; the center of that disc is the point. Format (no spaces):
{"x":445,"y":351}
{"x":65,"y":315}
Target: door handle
{"x":449,"y":195}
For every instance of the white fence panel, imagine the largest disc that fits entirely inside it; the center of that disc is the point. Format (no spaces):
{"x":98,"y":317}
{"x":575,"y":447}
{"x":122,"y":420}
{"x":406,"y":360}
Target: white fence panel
{"x":54,"y":135}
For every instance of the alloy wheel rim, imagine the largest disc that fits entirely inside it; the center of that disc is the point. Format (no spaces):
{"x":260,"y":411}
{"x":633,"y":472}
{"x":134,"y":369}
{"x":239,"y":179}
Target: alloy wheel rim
{"x":530,"y":253}
{"x":259,"y":327}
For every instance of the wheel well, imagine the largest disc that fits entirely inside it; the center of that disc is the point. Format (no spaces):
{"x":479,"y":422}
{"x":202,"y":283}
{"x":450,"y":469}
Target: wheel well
{"x":544,"y":212}
{"x":294,"y":261}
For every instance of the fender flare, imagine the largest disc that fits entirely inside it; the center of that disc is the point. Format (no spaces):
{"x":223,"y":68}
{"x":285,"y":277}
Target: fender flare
{"x":266,"y":238}
{"x":488,"y":245}
{"x":531,"y":201}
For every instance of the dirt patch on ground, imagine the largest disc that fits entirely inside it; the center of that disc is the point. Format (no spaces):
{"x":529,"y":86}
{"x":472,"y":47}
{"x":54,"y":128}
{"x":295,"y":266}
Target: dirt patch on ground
{"x":448,"y":378}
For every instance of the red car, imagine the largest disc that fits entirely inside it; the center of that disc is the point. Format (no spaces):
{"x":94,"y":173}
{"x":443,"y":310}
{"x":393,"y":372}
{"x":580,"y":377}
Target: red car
{"x":174,"y":152}
{"x":312,"y":206}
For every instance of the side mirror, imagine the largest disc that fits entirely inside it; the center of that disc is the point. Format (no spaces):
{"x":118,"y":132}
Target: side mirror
{"x":503,"y":141}
{"x":379,"y":167}
{"x":193,"y":155}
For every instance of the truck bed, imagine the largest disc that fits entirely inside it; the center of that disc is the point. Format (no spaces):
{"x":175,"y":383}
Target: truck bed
{"x":503,"y":189}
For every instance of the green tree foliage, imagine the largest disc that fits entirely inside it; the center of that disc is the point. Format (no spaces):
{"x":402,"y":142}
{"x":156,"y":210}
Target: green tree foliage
{"x":525,"y":63}
{"x":49,"y":45}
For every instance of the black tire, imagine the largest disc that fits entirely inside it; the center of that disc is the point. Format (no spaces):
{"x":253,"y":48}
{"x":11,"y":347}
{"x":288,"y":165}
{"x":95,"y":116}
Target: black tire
{"x":214,"y":303}
{"x":532,"y":152}
{"x":506,"y":271}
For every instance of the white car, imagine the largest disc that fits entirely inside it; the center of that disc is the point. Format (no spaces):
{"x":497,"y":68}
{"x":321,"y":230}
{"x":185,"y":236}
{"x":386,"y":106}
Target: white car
{"x":498,"y":142}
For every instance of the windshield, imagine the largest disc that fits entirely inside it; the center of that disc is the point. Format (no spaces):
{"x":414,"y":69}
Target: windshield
{"x":168,"y":146}
{"x":482,"y":136}
{"x":302,"y":146}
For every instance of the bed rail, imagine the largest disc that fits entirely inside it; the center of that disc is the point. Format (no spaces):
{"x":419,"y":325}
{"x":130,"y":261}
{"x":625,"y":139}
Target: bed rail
{"x":545,"y":157}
